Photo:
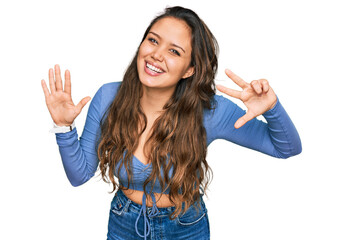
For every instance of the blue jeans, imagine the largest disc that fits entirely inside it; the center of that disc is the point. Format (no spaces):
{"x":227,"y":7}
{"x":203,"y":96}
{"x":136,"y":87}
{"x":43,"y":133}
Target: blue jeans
{"x":124,"y":215}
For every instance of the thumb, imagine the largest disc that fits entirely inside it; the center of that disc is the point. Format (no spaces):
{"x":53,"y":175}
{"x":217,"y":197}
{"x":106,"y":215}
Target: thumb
{"x":244,"y":119}
{"x":81,"y":104}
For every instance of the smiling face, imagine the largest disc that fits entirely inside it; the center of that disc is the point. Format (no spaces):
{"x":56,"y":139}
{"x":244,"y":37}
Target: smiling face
{"x":165,"y":54}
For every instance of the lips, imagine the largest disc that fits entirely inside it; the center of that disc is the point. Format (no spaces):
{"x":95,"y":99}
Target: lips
{"x":153,"y":70}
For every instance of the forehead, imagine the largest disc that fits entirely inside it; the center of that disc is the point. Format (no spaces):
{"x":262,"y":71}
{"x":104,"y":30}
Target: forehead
{"x":173,"y":30}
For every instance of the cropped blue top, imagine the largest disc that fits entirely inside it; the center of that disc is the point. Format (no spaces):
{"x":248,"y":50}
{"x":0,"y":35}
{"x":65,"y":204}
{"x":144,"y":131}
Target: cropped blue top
{"x":278,"y":137}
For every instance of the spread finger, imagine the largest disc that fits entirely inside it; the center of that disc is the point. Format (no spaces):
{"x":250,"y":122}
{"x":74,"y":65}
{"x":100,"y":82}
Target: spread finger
{"x":51,"y":81}
{"x":236,"y":79}
{"x":228,"y":91}
{"x":67,"y":83}
{"x":45,"y":88}
{"x":58,"y":78}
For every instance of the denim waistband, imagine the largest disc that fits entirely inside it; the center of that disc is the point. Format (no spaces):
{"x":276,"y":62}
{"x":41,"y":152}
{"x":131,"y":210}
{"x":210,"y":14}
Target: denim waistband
{"x":135,"y":207}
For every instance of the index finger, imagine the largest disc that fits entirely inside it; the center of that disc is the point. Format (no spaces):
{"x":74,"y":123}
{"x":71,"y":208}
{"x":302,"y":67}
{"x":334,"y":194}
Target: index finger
{"x":238,"y":80}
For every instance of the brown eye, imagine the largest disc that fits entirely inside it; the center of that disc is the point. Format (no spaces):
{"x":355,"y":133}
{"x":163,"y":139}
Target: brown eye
{"x":152,"y":40}
{"x":175,"y":52}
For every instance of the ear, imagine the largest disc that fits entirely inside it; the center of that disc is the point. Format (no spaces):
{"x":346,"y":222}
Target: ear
{"x":190,"y":71}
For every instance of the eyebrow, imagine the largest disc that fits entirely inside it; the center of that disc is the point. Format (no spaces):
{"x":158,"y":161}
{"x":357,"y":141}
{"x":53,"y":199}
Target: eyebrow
{"x":171,"y":43}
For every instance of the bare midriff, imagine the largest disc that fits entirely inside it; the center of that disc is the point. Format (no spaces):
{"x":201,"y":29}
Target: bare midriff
{"x":162,"y":201}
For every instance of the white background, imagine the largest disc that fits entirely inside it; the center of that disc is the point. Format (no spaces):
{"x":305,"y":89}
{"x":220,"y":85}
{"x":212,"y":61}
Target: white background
{"x":311,"y":53}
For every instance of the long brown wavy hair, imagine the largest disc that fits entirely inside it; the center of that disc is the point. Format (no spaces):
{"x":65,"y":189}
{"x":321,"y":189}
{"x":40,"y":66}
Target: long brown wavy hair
{"x":178,"y":138}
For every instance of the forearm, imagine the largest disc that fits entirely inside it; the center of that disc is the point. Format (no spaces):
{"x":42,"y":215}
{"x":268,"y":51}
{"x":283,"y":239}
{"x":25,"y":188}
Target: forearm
{"x":278,"y":137}
{"x":282,"y":132}
{"x":79,"y":165}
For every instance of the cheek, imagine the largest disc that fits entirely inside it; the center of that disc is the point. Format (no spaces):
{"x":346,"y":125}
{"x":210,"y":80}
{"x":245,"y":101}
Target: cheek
{"x":178,"y":67}
{"x":143,"y":50}
{"x":139,"y":61}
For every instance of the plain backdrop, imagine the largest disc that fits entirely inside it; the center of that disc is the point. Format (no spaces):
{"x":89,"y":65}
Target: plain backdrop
{"x":310,"y":51}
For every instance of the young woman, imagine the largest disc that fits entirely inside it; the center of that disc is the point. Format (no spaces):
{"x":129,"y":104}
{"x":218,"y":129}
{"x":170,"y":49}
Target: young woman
{"x":151,"y":131}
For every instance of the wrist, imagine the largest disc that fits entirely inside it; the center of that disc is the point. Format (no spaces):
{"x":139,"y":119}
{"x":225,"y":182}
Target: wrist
{"x":273,"y":105}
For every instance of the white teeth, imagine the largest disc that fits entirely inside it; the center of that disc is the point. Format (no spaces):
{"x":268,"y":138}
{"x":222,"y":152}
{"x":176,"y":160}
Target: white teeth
{"x":153,"y":68}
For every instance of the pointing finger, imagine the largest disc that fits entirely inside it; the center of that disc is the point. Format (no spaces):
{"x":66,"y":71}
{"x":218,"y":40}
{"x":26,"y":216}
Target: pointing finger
{"x":228,"y":91}
{"x":238,"y":80}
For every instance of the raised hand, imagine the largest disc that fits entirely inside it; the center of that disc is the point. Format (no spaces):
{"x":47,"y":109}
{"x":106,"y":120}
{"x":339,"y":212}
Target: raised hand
{"x":59,"y":101}
{"x":257,"y":96}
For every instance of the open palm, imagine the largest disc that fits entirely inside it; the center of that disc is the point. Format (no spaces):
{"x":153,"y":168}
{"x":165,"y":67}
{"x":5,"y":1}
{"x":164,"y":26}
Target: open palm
{"x":59,"y":102}
{"x":257,"y":96}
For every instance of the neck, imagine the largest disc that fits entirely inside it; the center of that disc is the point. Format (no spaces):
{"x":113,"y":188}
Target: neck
{"x":153,"y":100}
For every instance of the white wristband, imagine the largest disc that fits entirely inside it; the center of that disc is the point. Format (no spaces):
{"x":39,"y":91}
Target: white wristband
{"x":62,"y":129}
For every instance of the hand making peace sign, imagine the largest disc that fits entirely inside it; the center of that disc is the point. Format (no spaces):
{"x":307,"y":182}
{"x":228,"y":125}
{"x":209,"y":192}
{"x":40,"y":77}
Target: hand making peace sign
{"x":59,"y":101}
{"x":257,"y":96}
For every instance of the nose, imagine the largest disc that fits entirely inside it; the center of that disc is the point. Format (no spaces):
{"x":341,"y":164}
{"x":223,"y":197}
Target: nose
{"x":157,"y":54}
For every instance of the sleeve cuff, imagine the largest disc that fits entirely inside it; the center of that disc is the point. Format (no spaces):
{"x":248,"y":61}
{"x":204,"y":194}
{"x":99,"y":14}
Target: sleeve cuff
{"x":62,"y":129}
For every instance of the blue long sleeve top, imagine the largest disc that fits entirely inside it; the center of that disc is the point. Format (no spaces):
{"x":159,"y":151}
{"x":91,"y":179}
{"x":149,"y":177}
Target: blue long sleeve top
{"x":278,"y":137}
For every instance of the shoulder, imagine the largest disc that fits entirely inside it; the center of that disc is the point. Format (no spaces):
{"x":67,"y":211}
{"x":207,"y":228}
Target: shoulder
{"x":104,"y":97}
{"x":107,"y":92}
{"x":218,"y":99}
{"x":110,"y":89}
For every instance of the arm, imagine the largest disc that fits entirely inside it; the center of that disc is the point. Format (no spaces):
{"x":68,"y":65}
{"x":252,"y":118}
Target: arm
{"x":79,"y":157}
{"x":278,"y":137}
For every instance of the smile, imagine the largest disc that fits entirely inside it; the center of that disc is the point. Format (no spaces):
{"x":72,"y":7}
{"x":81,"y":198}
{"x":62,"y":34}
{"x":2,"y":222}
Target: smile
{"x":153,"y":68}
